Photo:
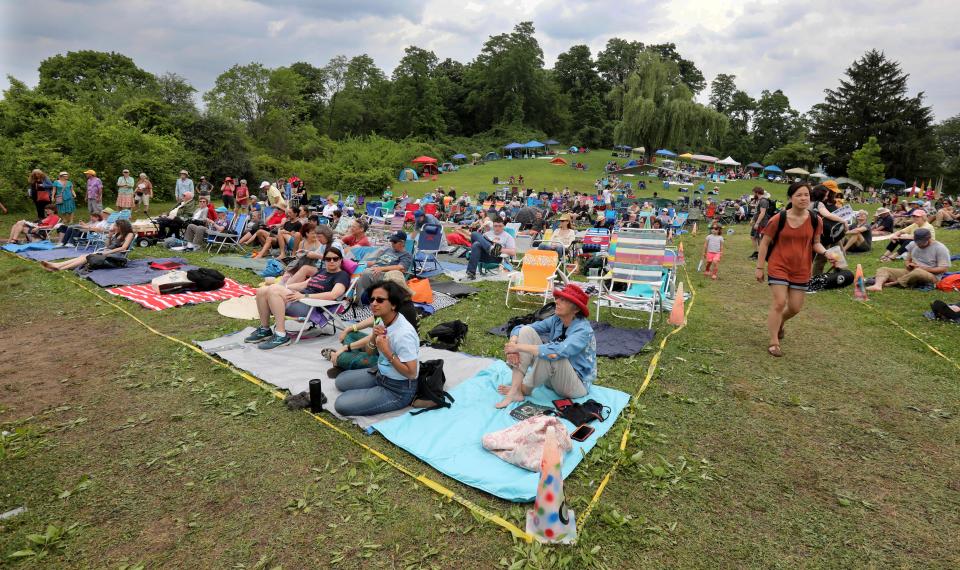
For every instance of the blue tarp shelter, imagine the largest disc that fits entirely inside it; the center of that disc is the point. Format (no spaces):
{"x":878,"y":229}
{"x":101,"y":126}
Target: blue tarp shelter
{"x":772,"y":168}
{"x":894,"y":182}
{"x":533,"y":144}
{"x":513,"y":146}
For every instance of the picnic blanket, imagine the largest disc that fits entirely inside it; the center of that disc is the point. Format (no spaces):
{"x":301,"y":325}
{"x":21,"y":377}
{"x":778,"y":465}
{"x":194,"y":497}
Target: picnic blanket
{"x":453,"y":288}
{"x":32,"y":246}
{"x":448,"y":439}
{"x":145,"y":296}
{"x":612,"y":342}
{"x":136,"y":272}
{"x":292,"y":366}
{"x":55,"y":254}
{"x":239,"y":262}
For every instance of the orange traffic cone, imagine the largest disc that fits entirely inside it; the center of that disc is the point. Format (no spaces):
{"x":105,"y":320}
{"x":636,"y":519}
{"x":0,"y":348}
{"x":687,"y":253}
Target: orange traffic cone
{"x":693,"y":231}
{"x":677,"y":316}
{"x":680,"y":253}
{"x":550,"y":520}
{"x":859,"y":285}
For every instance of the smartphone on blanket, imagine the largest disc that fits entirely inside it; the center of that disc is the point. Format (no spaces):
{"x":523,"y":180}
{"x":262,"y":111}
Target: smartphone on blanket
{"x":582,"y":433}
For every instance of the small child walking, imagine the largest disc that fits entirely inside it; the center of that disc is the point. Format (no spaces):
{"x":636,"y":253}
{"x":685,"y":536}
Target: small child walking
{"x":713,"y":251}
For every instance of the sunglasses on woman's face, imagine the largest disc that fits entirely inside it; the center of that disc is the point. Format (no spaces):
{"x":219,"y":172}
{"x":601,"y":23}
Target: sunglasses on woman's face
{"x":378,"y":299}
{"x":331,"y":259}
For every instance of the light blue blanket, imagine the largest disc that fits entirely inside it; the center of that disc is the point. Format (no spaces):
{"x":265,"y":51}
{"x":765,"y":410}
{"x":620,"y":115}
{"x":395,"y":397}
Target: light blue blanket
{"x":448,"y":439}
{"x":37,"y":245}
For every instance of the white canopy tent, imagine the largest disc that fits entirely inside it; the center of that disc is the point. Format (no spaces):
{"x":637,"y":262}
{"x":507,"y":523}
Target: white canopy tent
{"x":728,"y":162}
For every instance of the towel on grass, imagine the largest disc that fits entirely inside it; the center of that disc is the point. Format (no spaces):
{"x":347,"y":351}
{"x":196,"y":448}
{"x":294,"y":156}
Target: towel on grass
{"x":239,"y":262}
{"x":292,"y":366}
{"x":32,"y":246}
{"x":136,"y":272}
{"x":453,"y":288}
{"x":612,"y":342}
{"x":145,"y":296}
{"x":449,"y":439}
{"x":55,"y":254}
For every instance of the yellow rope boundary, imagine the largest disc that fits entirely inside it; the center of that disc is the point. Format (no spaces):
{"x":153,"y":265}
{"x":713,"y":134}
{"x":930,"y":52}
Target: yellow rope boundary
{"x":422,"y":479}
{"x":932,"y":348}
{"x":651,"y":369}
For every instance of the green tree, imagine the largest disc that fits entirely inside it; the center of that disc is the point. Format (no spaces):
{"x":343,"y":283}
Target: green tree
{"x":312,"y":91}
{"x":659,"y":110}
{"x":690,"y":75}
{"x":774,"y":122}
{"x":866,"y":165}
{"x":415,"y":105}
{"x":576,"y":76}
{"x":358,"y":94}
{"x":175,"y":91}
{"x":948,"y":139}
{"x":872,"y":101}
{"x":449,"y":76}
{"x":798,"y":153}
{"x":240,"y":93}
{"x":618,"y":60}
{"x":102,"y":79}
{"x":722,"y":90}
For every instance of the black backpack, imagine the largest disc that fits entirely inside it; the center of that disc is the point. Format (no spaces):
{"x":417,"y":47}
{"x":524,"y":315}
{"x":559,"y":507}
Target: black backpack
{"x":449,"y":335}
{"x":782,"y":221}
{"x":206,"y":279}
{"x":430,"y":392}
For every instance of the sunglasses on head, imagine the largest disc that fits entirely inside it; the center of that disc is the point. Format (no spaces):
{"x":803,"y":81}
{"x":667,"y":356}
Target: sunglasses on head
{"x":332,"y":258}
{"x":379,"y":299}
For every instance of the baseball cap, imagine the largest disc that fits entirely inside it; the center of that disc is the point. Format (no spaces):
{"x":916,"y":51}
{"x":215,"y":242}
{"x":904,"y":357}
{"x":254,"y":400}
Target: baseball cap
{"x":918,"y":212}
{"x":399,"y":236}
{"x":264,"y":184}
{"x":921,"y":236}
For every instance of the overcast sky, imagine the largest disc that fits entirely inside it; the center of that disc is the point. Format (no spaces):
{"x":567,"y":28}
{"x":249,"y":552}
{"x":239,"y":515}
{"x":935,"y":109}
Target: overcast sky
{"x":799,"y":46}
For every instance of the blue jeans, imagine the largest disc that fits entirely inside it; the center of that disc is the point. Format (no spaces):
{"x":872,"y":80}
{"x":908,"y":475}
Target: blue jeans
{"x":366,"y":394}
{"x":70,"y":235}
{"x":479,"y":252}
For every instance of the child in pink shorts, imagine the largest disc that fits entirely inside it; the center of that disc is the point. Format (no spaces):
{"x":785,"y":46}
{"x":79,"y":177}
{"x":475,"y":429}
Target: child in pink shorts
{"x":713,"y":251}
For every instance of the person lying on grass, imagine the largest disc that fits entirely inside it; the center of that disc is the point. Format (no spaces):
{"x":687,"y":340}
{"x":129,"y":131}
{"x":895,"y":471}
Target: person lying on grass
{"x":354,"y":353}
{"x":393,"y":384}
{"x":927,"y":261}
{"x":31,"y":230}
{"x":330,"y":283}
{"x":567,"y":364}
{"x":118,"y":243}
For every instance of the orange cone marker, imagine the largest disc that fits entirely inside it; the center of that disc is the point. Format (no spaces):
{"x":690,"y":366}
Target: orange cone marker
{"x":677,"y":316}
{"x":859,"y":285}
{"x":680,"y":253}
{"x":694,"y":230}
{"x":550,"y":520}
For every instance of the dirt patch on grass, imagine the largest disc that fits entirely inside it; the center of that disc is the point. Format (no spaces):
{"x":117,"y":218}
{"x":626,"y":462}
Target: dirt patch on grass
{"x":42,"y":368}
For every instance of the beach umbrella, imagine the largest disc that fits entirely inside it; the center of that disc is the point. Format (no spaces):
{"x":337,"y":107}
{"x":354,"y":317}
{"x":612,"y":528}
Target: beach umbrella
{"x":551,"y":141}
{"x":798,"y":171}
{"x":849,"y":182}
{"x":894,"y":182}
{"x":475,"y":154}
{"x":754,"y":165}
{"x":459,"y":156}
{"x":704,"y":158}
{"x":772,"y":168}
{"x":424,"y":160}
{"x":819,"y":175}
{"x":665,"y":152}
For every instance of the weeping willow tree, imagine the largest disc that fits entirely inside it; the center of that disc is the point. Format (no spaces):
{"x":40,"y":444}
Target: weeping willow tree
{"x":658,"y":111}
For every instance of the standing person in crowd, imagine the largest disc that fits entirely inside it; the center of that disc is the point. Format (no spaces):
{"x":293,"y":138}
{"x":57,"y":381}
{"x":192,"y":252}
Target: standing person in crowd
{"x":118,"y":243}
{"x":184,"y":185}
{"x":94,"y":192}
{"x":274,"y":196}
{"x":713,"y":250}
{"x":40,"y":190}
{"x":243,"y":196}
{"x":761,"y":216}
{"x":393,"y":385}
{"x":205,"y":189}
{"x":64,"y":197}
{"x":125,"y":191}
{"x":144,"y":192}
{"x":789,"y":242}
{"x":486,"y":248}
{"x":227,"y":189}
{"x":927,"y":261}
{"x":900,"y":239}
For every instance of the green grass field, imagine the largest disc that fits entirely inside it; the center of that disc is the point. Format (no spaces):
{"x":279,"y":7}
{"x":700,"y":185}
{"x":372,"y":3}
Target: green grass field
{"x":841,"y":454}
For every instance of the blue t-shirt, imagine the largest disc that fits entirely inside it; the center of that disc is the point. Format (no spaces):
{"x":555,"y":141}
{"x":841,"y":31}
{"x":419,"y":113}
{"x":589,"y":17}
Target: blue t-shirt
{"x":405,"y":343}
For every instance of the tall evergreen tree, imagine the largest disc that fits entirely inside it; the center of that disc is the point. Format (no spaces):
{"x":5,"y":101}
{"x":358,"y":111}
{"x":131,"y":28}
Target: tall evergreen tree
{"x":415,"y":105}
{"x":872,"y":101}
{"x":722,"y":90}
{"x":576,"y":75}
{"x":774,"y":122}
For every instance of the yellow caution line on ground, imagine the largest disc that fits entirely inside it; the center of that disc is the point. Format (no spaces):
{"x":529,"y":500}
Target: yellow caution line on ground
{"x":423,"y":479}
{"x":651,"y":369}
{"x":932,"y":348}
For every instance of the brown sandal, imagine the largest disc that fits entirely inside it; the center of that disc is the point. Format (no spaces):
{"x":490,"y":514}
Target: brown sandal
{"x":780,"y":333}
{"x":774,"y":350}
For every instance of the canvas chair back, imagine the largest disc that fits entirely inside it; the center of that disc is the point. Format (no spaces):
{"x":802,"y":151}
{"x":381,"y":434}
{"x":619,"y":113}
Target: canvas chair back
{"x":430,"y":238}
{"x":538,"y":267}
{"x":636,"y":257}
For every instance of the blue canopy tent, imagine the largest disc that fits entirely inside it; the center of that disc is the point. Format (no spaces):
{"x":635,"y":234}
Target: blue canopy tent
{"x":772,"y":168}
{"x":665,"y":152}
{"x":459,"y":156}
{"x":533,"y":144}
{"x":512,"y":146}
{"x":894,"y":182}
{"x":551,"y":141}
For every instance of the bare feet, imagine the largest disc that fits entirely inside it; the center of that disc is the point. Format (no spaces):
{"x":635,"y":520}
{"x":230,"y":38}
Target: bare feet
{"x":503,"y":389}
{"x":509,"y":399}
{"x":48,"y":266}
{"x":774,"y":350}
{"x":875,"y":288}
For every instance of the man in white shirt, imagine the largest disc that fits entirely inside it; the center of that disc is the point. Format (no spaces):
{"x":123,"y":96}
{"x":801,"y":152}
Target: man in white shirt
{"x":486,"y":248}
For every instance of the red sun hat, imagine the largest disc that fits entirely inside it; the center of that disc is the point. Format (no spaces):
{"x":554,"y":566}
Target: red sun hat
{"x":575,"y":295}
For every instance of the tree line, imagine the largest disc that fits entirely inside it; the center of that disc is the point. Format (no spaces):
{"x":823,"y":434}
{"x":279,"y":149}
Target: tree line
{"x":348,"y":126}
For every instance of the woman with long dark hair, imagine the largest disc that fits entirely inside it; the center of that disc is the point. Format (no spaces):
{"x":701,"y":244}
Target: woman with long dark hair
{"x":41,"y":190}
{"x":789,"y":242}
{"x":118,"y":243}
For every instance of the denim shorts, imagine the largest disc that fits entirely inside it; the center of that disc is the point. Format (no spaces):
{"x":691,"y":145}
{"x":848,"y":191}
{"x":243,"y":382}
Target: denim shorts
{"x":771,"y":280}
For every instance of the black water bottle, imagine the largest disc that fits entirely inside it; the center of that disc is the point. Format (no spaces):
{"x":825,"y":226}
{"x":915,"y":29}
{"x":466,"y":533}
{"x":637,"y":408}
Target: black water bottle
{"x":317,"y":399}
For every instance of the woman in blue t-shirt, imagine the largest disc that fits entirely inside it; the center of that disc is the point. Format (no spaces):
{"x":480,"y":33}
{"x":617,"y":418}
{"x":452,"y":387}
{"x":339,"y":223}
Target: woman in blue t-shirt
{"x":393,"y":384}
{"x":279,"y":300}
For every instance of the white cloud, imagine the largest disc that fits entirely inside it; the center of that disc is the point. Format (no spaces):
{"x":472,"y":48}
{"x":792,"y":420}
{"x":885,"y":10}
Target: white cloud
{"x":799,"y":46}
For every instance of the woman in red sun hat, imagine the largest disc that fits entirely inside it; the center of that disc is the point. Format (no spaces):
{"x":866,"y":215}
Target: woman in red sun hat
{"x":567,"y":363}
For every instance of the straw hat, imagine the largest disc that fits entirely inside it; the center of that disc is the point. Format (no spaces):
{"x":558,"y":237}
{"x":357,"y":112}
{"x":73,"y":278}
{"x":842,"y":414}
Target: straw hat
{"x":397,"y":277}
{"x":882,"y":211}
{"x":244,"y":308}
{"x":90,"y":171}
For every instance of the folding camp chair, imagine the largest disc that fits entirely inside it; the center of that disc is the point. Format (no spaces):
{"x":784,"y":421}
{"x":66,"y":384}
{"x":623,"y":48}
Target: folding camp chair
{"x":635,"y":259}
{"x":325,"y":312}
{"x":428,"y":244}
{"x":230,"y":237}
{"x":94,"y":240}
{"x":536,"y":274}
{"x":512,"y":228}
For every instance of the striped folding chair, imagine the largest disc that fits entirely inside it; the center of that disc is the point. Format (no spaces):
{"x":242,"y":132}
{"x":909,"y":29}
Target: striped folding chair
{"x":636,"y":261}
